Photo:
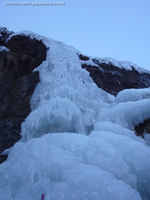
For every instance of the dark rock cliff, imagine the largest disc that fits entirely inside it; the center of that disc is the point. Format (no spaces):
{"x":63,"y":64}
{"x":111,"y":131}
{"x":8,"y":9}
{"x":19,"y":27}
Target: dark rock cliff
{"x":4,"y":34}
{"x":113,"y":79}
{"x":143,"y":128}
{"x":17,"y":83}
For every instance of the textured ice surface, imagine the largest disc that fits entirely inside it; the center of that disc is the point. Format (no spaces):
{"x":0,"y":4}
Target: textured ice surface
{"x":116,"y":129}
{"x":147,"y":138}
{"x":132,"y":95}
{"x":127,"y":114}
{"x":106,"y":162}
{"x":69,"y":166}
{"x":66,"y":99}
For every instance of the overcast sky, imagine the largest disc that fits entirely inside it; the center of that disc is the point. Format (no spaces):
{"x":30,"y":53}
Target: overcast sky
{"x":100,"y":28}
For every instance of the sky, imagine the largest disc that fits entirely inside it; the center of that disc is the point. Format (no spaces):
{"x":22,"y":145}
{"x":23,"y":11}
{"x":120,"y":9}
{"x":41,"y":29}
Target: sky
{"x":100,"y":28}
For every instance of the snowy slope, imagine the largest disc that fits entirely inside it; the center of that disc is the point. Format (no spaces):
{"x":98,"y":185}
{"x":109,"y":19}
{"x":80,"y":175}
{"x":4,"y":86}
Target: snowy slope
{"x":105,"y":160}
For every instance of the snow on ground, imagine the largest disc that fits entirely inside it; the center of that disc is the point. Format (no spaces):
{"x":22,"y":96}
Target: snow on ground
{"x":78,"y":142}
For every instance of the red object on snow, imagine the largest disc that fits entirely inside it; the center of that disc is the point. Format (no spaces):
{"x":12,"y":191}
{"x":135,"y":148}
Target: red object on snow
{"x":42,"y":196}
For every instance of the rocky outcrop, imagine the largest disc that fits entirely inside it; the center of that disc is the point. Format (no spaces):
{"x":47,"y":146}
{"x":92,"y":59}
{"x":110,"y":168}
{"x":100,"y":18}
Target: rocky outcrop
{"x":143,"y":128}
{"x":4,"y":34}
{"x":82,"y":57}
{"x":17,"y":82}
{"x":113,"y":79}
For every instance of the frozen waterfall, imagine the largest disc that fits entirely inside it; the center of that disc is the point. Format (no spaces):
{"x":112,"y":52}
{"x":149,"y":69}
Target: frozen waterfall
{"x":78,"y":142}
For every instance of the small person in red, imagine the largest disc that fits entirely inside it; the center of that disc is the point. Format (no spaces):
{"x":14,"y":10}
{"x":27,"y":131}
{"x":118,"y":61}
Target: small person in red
{"x":42,"y":196}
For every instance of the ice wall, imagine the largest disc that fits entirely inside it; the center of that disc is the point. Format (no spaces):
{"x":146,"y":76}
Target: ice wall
{"x":66,"y":99}
{"x":104,"y":161}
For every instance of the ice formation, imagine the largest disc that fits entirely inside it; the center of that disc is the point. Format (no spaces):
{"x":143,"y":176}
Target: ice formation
{"x":78,"y":142}
{"x":133,"y":95}
{"x":2,"y":48}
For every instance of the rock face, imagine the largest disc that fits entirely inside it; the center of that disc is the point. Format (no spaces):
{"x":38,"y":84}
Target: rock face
{"x":17,"y":82}
{"x":113,"y":79}
{"x":4,"y":34}
{"x":143,"y":127}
